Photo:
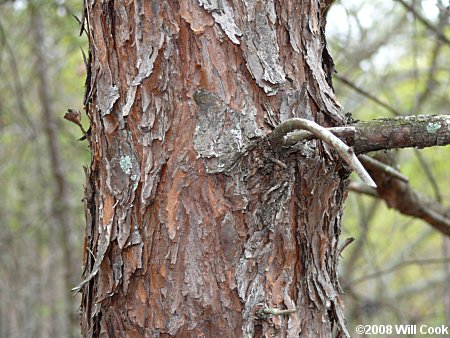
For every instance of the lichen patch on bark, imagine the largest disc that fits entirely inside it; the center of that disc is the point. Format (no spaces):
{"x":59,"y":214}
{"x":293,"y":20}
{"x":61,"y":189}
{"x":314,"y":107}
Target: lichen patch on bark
{"x":221,"y":134}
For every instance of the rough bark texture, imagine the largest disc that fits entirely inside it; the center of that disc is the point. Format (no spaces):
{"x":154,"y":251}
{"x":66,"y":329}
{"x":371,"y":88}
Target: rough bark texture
{"x":400,"y":132}
{"x":194,"y":223}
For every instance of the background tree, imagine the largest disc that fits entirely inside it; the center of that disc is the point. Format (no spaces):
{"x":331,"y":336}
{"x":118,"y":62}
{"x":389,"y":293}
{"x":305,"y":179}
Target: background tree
{"x":398,"y":68}
{"x":41,"y":215}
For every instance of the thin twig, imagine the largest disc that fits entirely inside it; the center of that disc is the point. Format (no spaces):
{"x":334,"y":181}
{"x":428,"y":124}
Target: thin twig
{"x":425,"y":22}
{"x":401,"y":132}
{"x":346,"y":243}
{"x":362,"y":189}
{"x":398,"y":266}
{"x":399,"y":195}
{"x":347,"y":153}
{"x":367,"y":94}
{"x":367,"y":160}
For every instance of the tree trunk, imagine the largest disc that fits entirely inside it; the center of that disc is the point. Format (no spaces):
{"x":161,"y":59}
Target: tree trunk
{"x":196,"y":226}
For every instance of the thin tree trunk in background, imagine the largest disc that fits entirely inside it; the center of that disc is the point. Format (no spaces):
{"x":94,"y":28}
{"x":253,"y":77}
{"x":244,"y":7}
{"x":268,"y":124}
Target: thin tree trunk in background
{"x":446,"y":300}
{"x":12,"y":312}
{"x":195,"y":225}
{"x":46,"y":294}
{"x":13,"y":323}
{"x":65,"y":320}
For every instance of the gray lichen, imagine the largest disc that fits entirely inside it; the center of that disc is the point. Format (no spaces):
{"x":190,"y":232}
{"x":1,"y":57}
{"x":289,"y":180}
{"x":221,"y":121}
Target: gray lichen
{"x":125,"y":164}
{"x":433,"y":127}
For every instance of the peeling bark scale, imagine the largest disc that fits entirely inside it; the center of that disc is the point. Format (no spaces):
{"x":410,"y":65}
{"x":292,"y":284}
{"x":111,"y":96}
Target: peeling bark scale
{"x":193,"y":222}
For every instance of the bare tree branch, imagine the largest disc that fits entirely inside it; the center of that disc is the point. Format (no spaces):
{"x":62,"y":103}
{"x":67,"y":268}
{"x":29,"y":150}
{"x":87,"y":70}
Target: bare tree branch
{"x":394,"y":111}
{"x":400,"y":196}
{"x":363,"y":189}
{"x":303,"y":135}
{"x":383,"y":167}
{"x":398,"y":266}
{"x":365,"y":136}
{"x":402,"y":132}
{"x":421,"y":101}
{"x":425,"y":22}
{"x":367,"y":94}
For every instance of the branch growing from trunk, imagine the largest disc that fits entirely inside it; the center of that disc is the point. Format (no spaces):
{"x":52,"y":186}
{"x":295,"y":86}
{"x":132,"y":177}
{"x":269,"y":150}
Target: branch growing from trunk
{"x":347,"y":153}
{"x":399,"y":132}
{"x":402,"y":132}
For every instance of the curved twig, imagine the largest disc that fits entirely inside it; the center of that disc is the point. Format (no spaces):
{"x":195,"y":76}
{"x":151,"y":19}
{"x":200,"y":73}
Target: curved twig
{"x":347,"y":153}
{"x":347,"y":132}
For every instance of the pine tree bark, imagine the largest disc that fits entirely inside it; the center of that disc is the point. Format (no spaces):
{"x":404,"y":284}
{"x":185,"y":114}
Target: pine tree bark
{"x":196,"y":226}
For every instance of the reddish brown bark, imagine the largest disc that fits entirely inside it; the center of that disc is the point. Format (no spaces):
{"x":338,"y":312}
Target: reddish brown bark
{"x":194,"y":223}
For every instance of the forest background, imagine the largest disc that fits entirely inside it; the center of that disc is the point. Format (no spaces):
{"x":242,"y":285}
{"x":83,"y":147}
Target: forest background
{"x":392,"y":58}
